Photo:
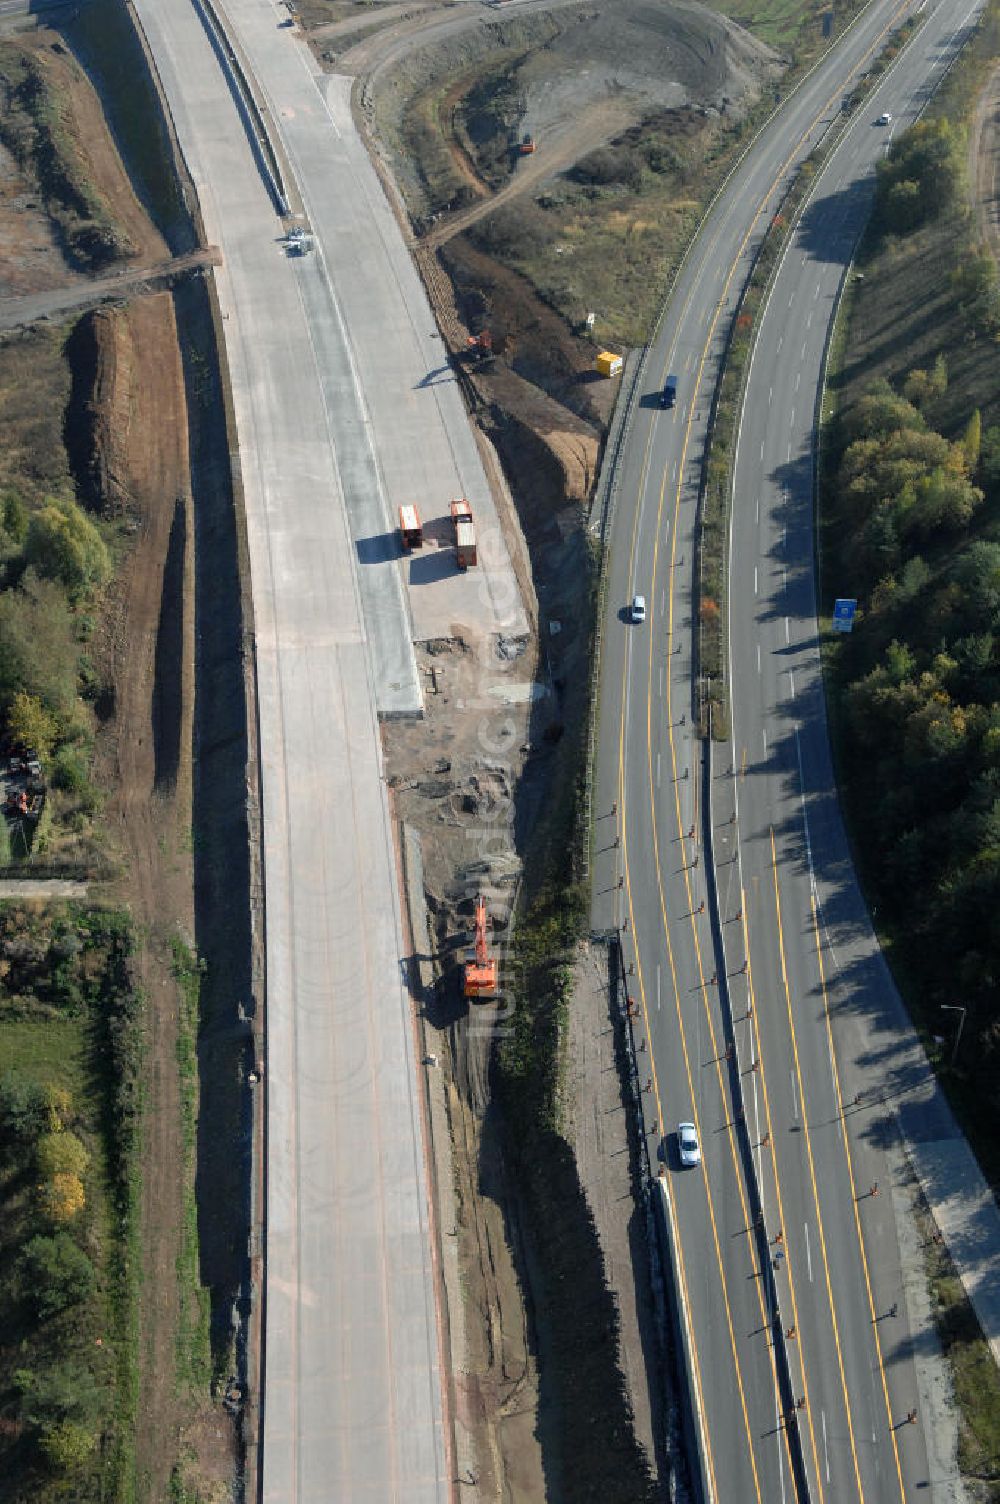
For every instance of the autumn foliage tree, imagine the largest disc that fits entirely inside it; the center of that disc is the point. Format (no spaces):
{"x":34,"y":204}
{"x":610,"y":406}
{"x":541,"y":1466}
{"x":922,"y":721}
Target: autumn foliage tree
{"x":62,"y":1197}
{"x":920,"y":690}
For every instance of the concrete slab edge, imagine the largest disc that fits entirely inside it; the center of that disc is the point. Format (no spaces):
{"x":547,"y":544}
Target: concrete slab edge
{"x":436,"y":1122}
{"x":694,"y":1416}
{"x":933,"y":1380}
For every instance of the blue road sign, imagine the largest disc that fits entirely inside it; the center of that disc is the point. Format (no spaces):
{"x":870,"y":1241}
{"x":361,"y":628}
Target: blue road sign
{"x":844,"y":612}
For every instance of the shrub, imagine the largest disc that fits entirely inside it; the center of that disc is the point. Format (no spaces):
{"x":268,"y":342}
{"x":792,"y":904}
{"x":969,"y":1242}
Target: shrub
{"x":31,"y":725}
{"x":62,"y":1197}
{"x":23,"y":1110}
{"x":37,"y":652}
{"x":69,"y":771}
{"x":66,"y":1446}
{"x":54,"y":1274}
{"x":64,"y":545}
{"x":60,"y":1154}
{"x":609,"y":165}
{"x":15,"y":517}
{"x":65,"y":1391}
{"x":99,"y":244}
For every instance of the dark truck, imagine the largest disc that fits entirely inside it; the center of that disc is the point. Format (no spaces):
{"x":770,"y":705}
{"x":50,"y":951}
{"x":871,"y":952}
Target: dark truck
{"x":669,"y":394}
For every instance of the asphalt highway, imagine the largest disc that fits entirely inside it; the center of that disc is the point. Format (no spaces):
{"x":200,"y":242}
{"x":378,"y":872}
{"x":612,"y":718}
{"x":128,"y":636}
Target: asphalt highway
{"x":734,"y":996}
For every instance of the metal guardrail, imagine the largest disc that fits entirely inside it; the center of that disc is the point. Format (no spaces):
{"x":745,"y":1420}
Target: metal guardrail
{"x":758,"y":1229}
{"x":668,"y":1300}
{"x":601,"y":507}
{"x":601,"y":514}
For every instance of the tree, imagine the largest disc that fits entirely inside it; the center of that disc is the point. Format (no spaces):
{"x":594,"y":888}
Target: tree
{"x":60,"y":1153}
{"x":918,"y":180}
{"x":902,"y":207}
{"x":915,"y":577}
{"x":939,"y":376}
{"x":989,"y":462}
{"x":38,"y":653}
{"x":15,"y":517}
{"x":64,"y":545}
{"x":23,"y":1110}
{"x":972,"y":439}
{"x":943,"y":500}
{"x":879,"y":541}
{"x":62,"y":1197}
{"x":31,"y":725}
{"x":54,"y":1274}
{"x":880,"y":412}
{"x":977,"y":574}
{"x":899,"y":661}
{"x":874,"y":470}
{"x":64,"y":1391}
{"x":66,"y":1446}
{"x":59,"y":1105}
{"x":916,"y":387}
{"x":975,"y":281}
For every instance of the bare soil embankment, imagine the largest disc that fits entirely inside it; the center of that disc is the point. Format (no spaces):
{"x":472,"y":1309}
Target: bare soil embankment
{"x":143,"y":423}
{"x":85,"y":181}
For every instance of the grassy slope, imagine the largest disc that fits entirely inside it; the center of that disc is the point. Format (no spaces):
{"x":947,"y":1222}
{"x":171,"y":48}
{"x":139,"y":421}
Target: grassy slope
{"x":789,"y":26}
{"x":613,"y":244}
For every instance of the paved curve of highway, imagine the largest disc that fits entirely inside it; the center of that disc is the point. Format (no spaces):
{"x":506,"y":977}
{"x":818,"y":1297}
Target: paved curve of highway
{"x":782,"y":882}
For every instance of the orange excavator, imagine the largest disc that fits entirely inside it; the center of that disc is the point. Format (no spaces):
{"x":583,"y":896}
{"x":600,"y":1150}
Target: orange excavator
{"x":480,"y":967}
{"x":480,"y":346}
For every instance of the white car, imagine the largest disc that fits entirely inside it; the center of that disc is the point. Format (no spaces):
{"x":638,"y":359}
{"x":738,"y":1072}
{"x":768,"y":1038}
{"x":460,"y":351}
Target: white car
{"x":688,"y":1146}
{"x":638,"y":608}
{"x":884,"y":119}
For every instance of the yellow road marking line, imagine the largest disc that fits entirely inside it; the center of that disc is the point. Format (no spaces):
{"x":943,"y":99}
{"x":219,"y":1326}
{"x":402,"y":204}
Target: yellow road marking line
{"x":661,"y":1115}
{"x":621,"y":762}
{"x":854,"y":1198}
{"x":678,"y":1241}
{"x":708,"y":1191}
{"x":777,"y":1183}
{"x":812,"y":1166}
{"x":737,"y":1167}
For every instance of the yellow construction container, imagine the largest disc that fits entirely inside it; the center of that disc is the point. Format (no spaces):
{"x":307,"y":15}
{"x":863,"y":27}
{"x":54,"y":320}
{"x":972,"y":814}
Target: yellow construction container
{"x":608,"y":364}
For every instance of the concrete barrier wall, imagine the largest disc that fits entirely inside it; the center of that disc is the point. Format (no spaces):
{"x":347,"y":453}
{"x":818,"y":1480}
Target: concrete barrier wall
{"x":253,"y":110}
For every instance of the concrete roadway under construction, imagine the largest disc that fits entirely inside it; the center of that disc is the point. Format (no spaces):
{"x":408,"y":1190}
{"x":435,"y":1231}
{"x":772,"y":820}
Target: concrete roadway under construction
{"x":342,"y":414}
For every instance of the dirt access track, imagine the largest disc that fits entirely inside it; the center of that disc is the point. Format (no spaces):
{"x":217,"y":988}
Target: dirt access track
{"x":571,"y":76}
{"x":984,"y":162}
{"x":444,"y":93}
